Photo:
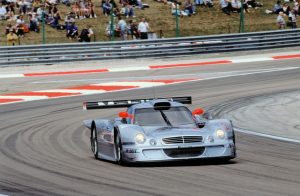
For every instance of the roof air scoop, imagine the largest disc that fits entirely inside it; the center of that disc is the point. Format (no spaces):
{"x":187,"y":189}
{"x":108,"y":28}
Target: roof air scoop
{"x":162,"y":105}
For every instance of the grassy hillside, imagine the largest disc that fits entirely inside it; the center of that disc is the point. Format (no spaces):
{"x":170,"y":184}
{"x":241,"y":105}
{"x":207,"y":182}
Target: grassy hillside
{"x":205,"y":22}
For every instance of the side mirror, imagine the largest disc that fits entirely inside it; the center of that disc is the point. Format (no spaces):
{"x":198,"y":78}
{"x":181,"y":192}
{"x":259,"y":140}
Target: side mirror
{"x":123,"y":114}
{"x":198,"y":111}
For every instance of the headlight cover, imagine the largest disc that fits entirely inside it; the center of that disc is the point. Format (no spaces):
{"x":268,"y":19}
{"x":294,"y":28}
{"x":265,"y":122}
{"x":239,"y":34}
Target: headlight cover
{"x":220,"y":134}
{"x":140,"y":138}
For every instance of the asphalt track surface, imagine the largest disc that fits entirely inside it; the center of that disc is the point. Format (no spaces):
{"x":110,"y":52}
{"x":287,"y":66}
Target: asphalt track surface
{"x":44,"y":148}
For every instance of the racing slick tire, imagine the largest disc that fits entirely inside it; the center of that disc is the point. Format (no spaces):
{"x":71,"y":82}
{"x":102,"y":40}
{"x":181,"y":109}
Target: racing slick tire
{"x":118,"y":150}
{"x":94,"y":143}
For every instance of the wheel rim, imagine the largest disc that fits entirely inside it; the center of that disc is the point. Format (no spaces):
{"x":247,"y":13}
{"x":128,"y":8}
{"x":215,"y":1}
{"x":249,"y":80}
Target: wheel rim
{"x":118,"y":149}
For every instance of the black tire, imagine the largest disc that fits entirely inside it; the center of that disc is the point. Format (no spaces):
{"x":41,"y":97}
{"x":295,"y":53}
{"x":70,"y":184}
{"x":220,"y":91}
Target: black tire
{"x":94,"y":142}
{"x":118,"y":150}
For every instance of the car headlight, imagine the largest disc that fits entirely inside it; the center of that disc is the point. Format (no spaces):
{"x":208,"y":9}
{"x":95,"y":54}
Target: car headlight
{"x":220,"y":134}
{"x":140,"y":138}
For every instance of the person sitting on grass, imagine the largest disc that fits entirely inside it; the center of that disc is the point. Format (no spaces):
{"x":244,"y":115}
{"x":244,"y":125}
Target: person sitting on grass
{"x":253,"y":4}
{"x":72,"y":31}
{"x":3,"y":12}
{"x":129,"y":11}
{"x":226,"y":6}
{"x":86,"y":34}
{"x":12,"y":38}
{"x":10,"y":12}
{"x":55,"y":21}
{"x":20,"y":26}
{"x":107,"y":7}
{"x":276,"y":8}
{"x":189,"y":7}
{"x":33,"y":23}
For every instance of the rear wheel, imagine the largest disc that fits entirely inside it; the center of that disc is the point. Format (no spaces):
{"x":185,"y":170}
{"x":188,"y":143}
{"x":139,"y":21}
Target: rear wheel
{"x":94,"y":142}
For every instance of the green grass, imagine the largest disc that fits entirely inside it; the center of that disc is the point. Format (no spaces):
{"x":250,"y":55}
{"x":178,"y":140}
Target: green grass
{"x":207,"y":21}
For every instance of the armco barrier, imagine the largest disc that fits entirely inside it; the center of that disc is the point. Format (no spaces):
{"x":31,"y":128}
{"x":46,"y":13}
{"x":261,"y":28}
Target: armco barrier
{"x":56,"y":53}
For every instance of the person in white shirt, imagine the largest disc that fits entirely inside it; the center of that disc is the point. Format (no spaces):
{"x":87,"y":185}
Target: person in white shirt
{"x":280,"y":20}
{"x":122,"y":27}
{"x":143,"y":29}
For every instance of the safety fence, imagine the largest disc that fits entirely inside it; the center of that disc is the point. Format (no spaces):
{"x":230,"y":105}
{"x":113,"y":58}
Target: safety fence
{"x":57,"y":53}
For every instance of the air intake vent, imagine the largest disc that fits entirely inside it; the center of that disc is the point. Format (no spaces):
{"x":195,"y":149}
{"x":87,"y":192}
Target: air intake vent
{"x":182,"y":139}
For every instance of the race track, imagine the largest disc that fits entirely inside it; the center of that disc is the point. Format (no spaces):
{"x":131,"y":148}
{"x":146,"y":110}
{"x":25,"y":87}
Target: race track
{"x":44,"y":148}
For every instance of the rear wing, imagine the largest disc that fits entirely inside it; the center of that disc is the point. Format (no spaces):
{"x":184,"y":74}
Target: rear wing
{"x":128,"y":103}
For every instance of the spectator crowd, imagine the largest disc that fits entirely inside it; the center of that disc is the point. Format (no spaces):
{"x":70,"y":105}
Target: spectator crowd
{"x":24,"y":16}
{"x":287,"y":9}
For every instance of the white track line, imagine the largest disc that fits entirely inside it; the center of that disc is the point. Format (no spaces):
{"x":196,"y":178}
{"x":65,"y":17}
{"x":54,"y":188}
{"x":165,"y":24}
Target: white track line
{"x":133,"y":83}
{"x":252,"y":60}
{"x":255,"y":72}
{"x":121,"y":69}
{"x":267,"y":135}
{"x":11,"y":76}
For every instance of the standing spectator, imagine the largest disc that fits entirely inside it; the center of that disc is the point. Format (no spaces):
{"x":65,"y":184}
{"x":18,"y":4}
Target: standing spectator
{"x":109,"y":29}
{"x":122,"y":27}
{"x":143,"y":29}
{"x":133,"y":29}
{"x":280,"y":20}
{"x":292,"y":19}
{"x":12,"y":38}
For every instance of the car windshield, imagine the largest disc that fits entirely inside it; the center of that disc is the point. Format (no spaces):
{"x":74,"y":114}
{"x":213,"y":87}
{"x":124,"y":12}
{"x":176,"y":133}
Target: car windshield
{"x":174,"y":116}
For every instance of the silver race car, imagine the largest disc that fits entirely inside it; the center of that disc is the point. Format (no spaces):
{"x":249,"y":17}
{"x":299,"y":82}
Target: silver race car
{"x":159,"y":129}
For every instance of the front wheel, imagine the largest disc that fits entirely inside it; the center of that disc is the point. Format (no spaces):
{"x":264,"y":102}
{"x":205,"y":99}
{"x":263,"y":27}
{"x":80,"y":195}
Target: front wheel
{"x":118,"y":150}
{"x":94,"y":143}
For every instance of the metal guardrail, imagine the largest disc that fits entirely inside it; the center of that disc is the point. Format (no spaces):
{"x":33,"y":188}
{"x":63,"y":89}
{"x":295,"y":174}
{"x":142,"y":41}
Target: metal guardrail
{"x":56,"y":53}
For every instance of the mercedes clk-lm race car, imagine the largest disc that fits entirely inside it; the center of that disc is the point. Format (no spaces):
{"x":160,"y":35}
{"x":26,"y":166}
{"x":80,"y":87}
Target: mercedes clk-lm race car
{"x":158,"y":129}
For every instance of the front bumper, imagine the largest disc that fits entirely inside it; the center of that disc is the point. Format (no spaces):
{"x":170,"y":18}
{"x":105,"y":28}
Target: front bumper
{"x":135,"y":153}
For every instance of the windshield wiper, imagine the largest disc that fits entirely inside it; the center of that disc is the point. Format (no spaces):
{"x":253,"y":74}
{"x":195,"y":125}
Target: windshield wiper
{"x":165,"y":118}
